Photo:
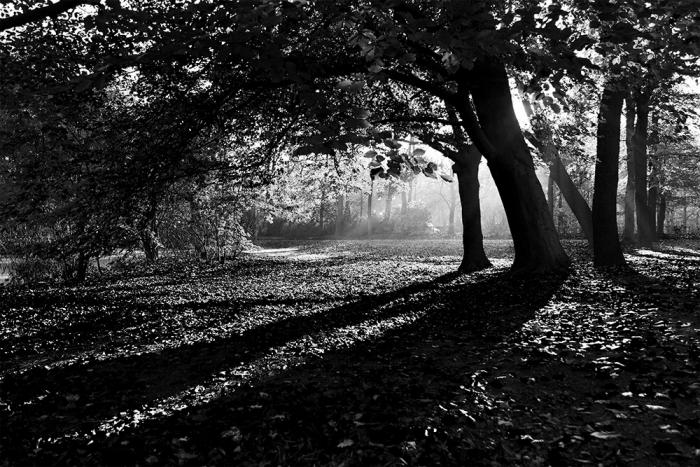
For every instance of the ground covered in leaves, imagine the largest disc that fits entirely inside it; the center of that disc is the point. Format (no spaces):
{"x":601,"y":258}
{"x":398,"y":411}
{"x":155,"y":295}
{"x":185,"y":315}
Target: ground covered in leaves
{"x":357,"y":353}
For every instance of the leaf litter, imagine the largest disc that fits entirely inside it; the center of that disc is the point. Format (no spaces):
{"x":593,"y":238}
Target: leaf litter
{"x":357,"y":353}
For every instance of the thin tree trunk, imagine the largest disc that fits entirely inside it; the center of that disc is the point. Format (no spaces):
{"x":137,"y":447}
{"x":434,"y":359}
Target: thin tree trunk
{"x":655,"y":161}
{"x":404,"y":202}
{"x":628,"y":232}
{"x":653,"y":199}
{"x":339,"y":215}
{"x":369,"y":209}
{"x":606,"y":244}
{"x":453,"y":206}
{"x":561,"y":225}
{"x":661,"y":216}
{"x":573,"y":197}
{"x":559,"y":175}
{"x":321,"y":209}
{"x":535,"y":240}
{"x":362,"y":202}
{"x":550,"y":193}
{"x":388,"y":203}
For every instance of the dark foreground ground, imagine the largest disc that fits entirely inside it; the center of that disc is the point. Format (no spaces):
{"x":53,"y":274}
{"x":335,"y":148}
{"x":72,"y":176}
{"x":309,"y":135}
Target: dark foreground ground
{"x":358,"y":353}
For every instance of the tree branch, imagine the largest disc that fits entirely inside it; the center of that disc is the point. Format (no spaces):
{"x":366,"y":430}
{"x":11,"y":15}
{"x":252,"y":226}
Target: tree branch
{"x":417,"y":82}
{"x":49,"y":11}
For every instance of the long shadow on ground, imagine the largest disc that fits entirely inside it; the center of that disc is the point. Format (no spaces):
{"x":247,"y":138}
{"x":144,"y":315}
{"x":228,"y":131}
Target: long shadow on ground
{"x":380,"y":395}
{"x":78,"y":396}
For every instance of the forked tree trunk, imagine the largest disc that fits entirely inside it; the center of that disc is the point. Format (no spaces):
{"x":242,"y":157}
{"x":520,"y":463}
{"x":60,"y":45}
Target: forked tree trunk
{"x":467,"y":169}
{"x":628,"y":232}
{"x":535,"y":240}
{"x":606,"y":244}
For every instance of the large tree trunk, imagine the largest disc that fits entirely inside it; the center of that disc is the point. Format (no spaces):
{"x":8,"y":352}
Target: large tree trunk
{"x":628,"y":232}
{"x":573,"y":197}
{"x":606,"y":244}
{"x":639,"y":142}
{"x":661,"y":216}
{"x":535,"y":240}
{"x":467,"y":169}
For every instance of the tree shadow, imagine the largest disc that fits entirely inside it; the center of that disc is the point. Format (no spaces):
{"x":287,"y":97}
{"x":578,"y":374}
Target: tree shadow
{"x":116,"y":316}
{"x":379,"y":392}
{"x":104,"y":387}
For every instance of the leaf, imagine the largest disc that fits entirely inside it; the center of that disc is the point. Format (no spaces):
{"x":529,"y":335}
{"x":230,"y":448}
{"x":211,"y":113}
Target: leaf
{"x":418,"y":152}
{"x":370,"y":154}
{"x":605,"y":434}
{"x":447,"y":178}
{"x":377,"y":171}
{"x":346,"y":443}
{"x":393,"y":144}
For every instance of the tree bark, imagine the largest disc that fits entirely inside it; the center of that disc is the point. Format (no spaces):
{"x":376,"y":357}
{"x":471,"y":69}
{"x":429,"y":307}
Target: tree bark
{"x":652,"y":199}
{"x":467,"y":169}
{"x":661,"y":216}
{"x":369,"y":209}
{"x":453,"y":206}
{"x":559,"y":175}
{"x":388,"y":202}
{"x":499,"y":138}
{"x":606,"y":244}
{"x":150,"y":244}
{"x":639,"y":141}
{"x":550,"y":192}
{"x":628,"y":232}
{"x":339,"y":215}
{"x":573,"y":197}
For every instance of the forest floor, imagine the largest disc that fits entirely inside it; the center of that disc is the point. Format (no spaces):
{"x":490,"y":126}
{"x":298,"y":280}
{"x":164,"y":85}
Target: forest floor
{"x":358,"y":353}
